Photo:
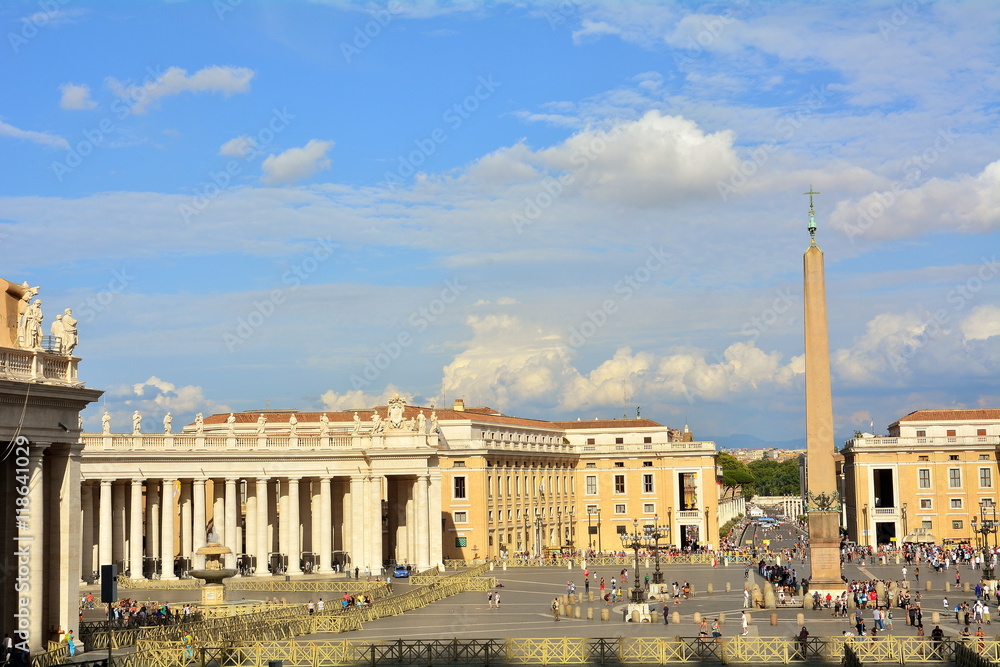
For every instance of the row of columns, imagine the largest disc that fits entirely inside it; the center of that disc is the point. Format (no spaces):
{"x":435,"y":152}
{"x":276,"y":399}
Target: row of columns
{"x":138,"y":518}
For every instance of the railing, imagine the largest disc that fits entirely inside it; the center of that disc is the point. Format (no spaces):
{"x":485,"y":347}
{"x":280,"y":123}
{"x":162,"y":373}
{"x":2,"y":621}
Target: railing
{"x":202,"y":441}
{"x":562,"y":651}
{"x":935,"y":441}
{"x":373,"y":588}
{"x":37,"y":366}
{"x":607,"y":560}
{"x":55,"y":654}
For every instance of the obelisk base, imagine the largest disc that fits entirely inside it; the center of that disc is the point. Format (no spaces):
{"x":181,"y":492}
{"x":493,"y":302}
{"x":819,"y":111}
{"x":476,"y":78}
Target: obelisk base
{"x":824,"y":553}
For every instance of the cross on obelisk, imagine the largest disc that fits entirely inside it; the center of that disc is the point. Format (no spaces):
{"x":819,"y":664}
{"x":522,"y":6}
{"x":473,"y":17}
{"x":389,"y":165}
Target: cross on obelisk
{"x":822,"y":499}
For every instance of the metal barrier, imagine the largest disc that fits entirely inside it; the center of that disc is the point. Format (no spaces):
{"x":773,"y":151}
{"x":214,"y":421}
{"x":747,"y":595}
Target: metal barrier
{"x":55,"y":654}
{"x":374,"y":588}
{"x":562,"y":651}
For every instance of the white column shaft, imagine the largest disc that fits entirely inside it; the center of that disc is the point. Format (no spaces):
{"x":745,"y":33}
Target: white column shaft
{"x":198,"y":523}
{"x":325,"y":525}
{"x":232,"y":507}
{"x":167,"y":537}
{"x":135,"y":530}
{"x":294,"y":548}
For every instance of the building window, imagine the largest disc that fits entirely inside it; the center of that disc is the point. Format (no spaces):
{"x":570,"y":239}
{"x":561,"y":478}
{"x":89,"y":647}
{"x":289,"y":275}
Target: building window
{"x":591,"y":465}
{"x":620,"y":529}
{"x":619,"y":464}
{"x":620,"y":509}
{"x":591,"y":441}
{"x":508,"y":516}
{"x":591,"y":485}
{"x":461,"y":541}
{"x":458,"y":464}
{"x":926,"y":504}
{"x":953,"y":457}
{"x":460,"y":487}
{"x":985,"y":478}
{"x":927,"y":524}
{"x":647,"y":464}
{"x":591,"y":509}
{"x":924,"y":478}
{"x":980,"y":431}
{"x":921,"y":433}
{"x":956,"y":503}
{"x":619,"y":441}
{"x":648,"y":508}
{"x":647,"y":483}
{"x":950,"y":433}
{"x":923,"y":457}
{"x":955,"y":478}
{"x":619,"y":448}
{"x":648,"y":439}
{"x":957,"y":524}
{"x":619,"y":483}
{"x":986,"y":502}
{"x":984,"y":457}
{"x":461,"y":517}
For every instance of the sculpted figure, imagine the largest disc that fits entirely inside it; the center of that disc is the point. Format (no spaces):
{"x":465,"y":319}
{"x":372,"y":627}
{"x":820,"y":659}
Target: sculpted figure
{"x":434,"y":421}
{"x":58,"y":333}
{"x":357,"y":424}
{"x":261,"y":421}
{"x":168,"y":421}
{"x":231,"y":423}
{"x":293,"y":425}
{"x":377,"y":425}
{"x":71,"y":337}
{"x":199,"y":423}
{"x":136,"y":422}
{"x":421,"y":422}
{"x":106,"y":422}
{"x":324,"y":424}
{"x":31,"y":326}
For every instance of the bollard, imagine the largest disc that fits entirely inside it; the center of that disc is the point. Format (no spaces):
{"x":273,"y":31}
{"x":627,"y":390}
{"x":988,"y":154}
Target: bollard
{"x":505,"y":566}
{"x":697,"y":617}
{"x":729,"y":587}
{"x":565,"y":598}
{"x":590,"y":613}
{"x":936,"y":618}
{"x":897,"y":560}
{"x":562,"y":610}
{"x":572,"y":598}
{"x":774,"y":618}
{"x":675,"y":617}
{"x":635,"y":615}
{"x":965,"y":586}
{"x":492,"y":566}
{"x":947,"y":587}
{"x":722,"y":618}
{"x":590,"y":596}
{"x":710,"y":588}
{"x":576,"y":611}
{"x":569,"y":565}
{"x":605,"y":614}
{"x":569,"y":610}
{"x":800,"y":619}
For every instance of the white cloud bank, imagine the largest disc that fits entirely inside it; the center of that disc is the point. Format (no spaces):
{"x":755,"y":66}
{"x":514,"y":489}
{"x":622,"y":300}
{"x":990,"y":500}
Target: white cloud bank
{"x":214,"y":79}
{"x":76,"y":97}
{"x":43,"y":138}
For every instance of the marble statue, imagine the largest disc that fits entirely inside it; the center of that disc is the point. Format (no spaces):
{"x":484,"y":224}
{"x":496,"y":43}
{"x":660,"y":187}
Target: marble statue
{"x":136,"y":422}
{"x":396,"y":412}
{"x":31,"y":326}
{"x":231,"y":423}
{"x":106,"y":422}
{"x":421,"y":422}
{"x":411,"y":424}
{"x":79,"y":422}
{"x":377,"y":425}
{"x":261,"y":422}
{"x":293,"y":425}
{"x":199,"y":423}
{"x":434,"y":421}
{"x":58,"y":332}
{"x":324,"y":424}
{"x":168,"y":421}
{"x":357,"y":424}
{"x":71,"y":337}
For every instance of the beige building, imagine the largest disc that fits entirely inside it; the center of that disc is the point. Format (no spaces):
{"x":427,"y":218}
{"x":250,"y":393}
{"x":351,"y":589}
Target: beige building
{"x":929,"y":476}
{"x":291,"y":492}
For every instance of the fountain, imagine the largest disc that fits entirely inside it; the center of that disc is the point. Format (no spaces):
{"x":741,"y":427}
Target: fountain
{"x":214,"y":591}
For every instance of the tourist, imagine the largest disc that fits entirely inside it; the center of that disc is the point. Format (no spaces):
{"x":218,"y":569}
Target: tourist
{"x":555,"y":608}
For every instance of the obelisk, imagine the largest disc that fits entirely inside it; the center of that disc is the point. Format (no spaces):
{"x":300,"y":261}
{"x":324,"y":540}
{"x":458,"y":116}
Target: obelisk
{"x":821,"y":496}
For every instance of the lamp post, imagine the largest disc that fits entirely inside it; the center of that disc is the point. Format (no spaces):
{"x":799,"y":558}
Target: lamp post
{"x":905,"y":531}
{"x":590,"y":535}
{"x":633,"y":541}
{"x":559,"y":540}
{"x":538,"y":533}
{"x":527,"y":532}
{"x":864,"y":529}
{"x":572,"y":527}
{"x":655,"y":532}
{"x":987,"y":526}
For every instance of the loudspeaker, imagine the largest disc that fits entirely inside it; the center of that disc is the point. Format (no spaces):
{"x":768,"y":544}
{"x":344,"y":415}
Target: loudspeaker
{"x":109,"y":583}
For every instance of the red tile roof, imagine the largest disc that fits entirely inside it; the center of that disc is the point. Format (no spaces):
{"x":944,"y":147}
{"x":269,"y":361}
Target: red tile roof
{"x":952,"y":415}
{"x":609,"y":423}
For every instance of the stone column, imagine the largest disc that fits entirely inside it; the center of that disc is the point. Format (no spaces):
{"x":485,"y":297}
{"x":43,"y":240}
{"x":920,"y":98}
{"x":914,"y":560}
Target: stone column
{"x":422,"y":527}
{"x":374,"y":560}
{"x":325,"y":526}
{"x":293,"y":526}
{"x":153,"y":518}
{"x":187,"y":530}
{"x":198,"y":523}
{"x":167,"y":537}
{"x":118,"y":532}
{"x":250,"y":531}
{"x":87,"y":565}
{"x":219,"y":509}
{"x":104,"y":524}
{"x":261,"y":535}
{"x":31,"y":545}
{"x":434,"y":535}
{"x":358,"y":527}
{"x":232,"y":508}
{"x":283,"y":522}
{"x":824,"y":524}
{"x":135,"y":530}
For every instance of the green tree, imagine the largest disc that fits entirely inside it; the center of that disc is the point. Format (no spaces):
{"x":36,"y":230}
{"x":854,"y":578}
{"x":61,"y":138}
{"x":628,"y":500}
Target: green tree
{"x":735,"y":476}
{"x":776,"y":479}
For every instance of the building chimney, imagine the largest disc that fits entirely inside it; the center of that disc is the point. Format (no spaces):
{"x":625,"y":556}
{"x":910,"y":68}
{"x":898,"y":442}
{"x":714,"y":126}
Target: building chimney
{"x":459,"y":405}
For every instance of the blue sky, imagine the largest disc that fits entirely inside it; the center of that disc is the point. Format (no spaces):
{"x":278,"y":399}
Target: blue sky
{"x":559,"y":209}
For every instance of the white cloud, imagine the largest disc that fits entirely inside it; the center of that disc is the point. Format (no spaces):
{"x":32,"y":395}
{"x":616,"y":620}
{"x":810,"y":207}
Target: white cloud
{"x":161,"y":396}
{"x":214,"y":79}
{"x":43,"y":138}
{"x":238,"y":146}
{"x":982,"y":323}
{"x":296,"y":163}
{"x":76,"y":97}
{"x":357,"y":399}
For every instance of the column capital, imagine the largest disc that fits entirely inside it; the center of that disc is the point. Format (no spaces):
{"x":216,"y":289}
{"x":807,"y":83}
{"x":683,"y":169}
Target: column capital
{"x":199,"y":480}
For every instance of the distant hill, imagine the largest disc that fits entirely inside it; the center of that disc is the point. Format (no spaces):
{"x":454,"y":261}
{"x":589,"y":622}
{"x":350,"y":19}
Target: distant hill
{"x":745,"y":441}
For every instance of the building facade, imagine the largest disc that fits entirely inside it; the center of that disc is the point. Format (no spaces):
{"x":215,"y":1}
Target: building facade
{"x":296,"y":492}
{"x":926,"y":480}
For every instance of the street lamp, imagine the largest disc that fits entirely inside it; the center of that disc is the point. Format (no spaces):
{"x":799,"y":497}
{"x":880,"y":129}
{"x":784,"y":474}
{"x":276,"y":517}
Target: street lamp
{"x":599,"y":547}
{"x":559,"y":541}
{"x":590,"y":535}
{"x":905,"y":531}
{"x":987,"y":527}
{"x":572,"y":527}
{"x":655,"y":532}
{"x":634,"y":540}
{"x":538,"y":533}
{"x":864,"y":529}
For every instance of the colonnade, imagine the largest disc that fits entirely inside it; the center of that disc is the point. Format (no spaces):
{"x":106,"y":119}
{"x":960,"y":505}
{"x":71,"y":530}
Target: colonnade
{"x":273,"y":525}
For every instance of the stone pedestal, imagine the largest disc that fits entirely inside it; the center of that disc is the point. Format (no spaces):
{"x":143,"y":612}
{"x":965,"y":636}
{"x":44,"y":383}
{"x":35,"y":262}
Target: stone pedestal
{"x":212,"y":594}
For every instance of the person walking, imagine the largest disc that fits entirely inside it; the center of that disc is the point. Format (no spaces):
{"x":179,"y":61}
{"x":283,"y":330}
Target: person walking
{"x":666,"y":614}
{"x":555,"y":608}
{"x":745,"y":622}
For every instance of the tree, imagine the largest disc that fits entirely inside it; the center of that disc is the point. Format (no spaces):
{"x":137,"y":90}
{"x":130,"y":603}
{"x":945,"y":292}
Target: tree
{"x":776,"y":479}
{"x":735,"y":475}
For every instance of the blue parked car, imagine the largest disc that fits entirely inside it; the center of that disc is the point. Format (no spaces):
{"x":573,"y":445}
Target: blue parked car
{"x":401,"y":571}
